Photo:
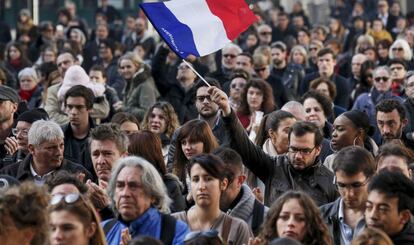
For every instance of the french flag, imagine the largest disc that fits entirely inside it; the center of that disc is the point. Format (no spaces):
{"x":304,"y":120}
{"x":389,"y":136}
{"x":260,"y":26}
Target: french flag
{"x":198,"y":27}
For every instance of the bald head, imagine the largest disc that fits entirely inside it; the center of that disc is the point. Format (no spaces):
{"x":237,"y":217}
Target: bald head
{"x":357,"y":61}
{"x":296,"y":109}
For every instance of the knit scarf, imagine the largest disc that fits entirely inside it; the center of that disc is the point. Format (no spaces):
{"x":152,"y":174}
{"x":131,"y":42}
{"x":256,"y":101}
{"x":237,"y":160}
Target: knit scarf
{"x":26,"y":94}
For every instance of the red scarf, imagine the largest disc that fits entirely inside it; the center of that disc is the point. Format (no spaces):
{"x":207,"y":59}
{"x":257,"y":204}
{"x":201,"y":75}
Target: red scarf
{"x":26,"y":94}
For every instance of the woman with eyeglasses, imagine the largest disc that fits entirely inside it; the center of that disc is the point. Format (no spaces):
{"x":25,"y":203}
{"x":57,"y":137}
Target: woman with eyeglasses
{"x":380,"y":91}
{"x":162,"y":120}
{"x":256,"y":100}
{"x":194,"y":137}
{"x":23,"y":216}
{"x":238,"y":81}
{"x":294,"y":215}
{"x":208,"y":180}
{"x":74,"y":220}
{"x":351,"y":128}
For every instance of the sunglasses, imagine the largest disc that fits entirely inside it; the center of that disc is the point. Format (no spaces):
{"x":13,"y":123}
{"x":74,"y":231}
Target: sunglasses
{"x":379,"y":79}
{"x":237,"y":85}
{"x":397,"y":49}
{"x":257,"y":70}
{"x":232,"y":56}
{"x":195,"y":234}
{"x":265,"y":33}
{"x":69,"y":198}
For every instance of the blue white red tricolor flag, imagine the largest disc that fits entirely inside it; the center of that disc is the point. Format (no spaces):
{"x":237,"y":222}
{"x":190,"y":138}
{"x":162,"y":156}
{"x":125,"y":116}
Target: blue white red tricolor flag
{"x":199,"y":27}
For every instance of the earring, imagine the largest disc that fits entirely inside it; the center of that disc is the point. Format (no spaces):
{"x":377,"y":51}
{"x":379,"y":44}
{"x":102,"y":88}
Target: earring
{"x":355,"y":141}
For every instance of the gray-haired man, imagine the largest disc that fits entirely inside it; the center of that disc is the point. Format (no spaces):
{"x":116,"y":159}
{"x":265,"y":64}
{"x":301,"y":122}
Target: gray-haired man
{"x":45,"y":156}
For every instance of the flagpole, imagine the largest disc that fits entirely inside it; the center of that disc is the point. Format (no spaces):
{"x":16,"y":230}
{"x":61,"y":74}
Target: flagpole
{"x":192,"y":68}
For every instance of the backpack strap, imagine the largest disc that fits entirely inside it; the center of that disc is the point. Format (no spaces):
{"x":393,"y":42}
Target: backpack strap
{"x":257,"y":219}
{"x":168,"y":225}
{"x":226,"y":228}
{"x":108,"y":226}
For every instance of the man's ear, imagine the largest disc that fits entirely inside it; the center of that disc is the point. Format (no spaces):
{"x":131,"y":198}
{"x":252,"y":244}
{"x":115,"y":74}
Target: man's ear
{"x":14,"y":106}
{"x":31,"y":149}
{"x":405,"y":216}
{"x":404,"y":123}
{"x":241,"y":179}
{"x":224,"y":184}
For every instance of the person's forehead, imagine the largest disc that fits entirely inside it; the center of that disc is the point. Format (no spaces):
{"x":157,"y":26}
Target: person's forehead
{"x":387,"y":116}
{"x":202,"y":91}
{"x":105,"y":144}
{"x":230,"y":50}
{"x":129,"y":174}
{"x":358,"y":58}
{"x":326,"y":56}
{"x":381,"y":72}
{"x":47,"y":143}
{"x":379,"y":197}
{"x":64,"y":57}
{"x":95,"y":73}
{"x":75,"y":100}
{"x":306,"y":139}
{"x":23,"y":124}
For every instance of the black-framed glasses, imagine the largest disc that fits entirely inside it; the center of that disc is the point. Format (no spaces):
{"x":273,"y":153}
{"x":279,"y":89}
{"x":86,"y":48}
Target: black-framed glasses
{"x":69,"y":198}
{"x":194,"y":234}
{"x":355,"y":185}
{"x":303,"y":151}
{"x":16,"y":131}
{"x":379,"y":79}
{"x":201,"y":98}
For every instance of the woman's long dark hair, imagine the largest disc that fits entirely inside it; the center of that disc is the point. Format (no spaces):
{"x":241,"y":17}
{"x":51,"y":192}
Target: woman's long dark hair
{"x":268,"y":104}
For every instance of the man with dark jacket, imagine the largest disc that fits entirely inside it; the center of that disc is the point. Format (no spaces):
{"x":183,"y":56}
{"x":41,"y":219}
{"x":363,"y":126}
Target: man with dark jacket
{"x":238,"y":200}
{"x":300,"y":169}
{"x":46,"y":155}
{"x":390,"y":206}
{"x":207,"y":111}
{"x":326,"y":64}
{"x":182,"y":94}
{"x":353,"y":167}
{"x":78,"y":102}
{"x":409,"y":106}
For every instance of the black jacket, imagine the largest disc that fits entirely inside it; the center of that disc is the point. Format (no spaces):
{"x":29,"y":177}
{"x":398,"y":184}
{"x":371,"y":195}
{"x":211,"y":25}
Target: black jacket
{"x":78,"y":150}
{"x":276,"y":172}
{"x":329,"y":213}
{"x":21,"y":170}
{"x":409,"y":128}
{"x":183,"y":102}
{"x":406,"y":236}
{"x":342,"y":86}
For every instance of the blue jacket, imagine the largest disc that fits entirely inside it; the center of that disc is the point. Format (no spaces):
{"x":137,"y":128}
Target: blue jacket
{"x":148,"y":224}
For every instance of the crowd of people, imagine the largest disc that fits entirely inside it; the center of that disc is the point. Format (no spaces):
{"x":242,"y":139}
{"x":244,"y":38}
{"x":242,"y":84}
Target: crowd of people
{"x":304,"y":133}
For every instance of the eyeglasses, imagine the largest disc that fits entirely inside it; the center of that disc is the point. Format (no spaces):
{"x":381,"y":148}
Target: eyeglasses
{"x":69,"y":198}
{"x":201,"y":98}
{"x":257,"y":70}
{"x":231,"y":56}
{"x":379,"y":79}
{"x":313,"y":48}
{"x":265,"y":33}
{"x":398,"y":49}
{"x":237,"y":85}
{"x":303,"y":151}
{"x":355,"y":185}
{"x":16,"y":131}
{"x":195,"y":234}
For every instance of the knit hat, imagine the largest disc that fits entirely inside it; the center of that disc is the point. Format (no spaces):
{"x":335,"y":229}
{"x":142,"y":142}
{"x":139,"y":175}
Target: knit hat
{"x":76,"y":75}
{"x":360,"y":120}
{"x":34,"y":115}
